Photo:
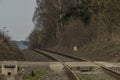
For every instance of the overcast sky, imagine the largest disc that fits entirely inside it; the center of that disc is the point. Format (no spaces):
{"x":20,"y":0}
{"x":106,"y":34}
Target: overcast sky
{"x":16,"y":15}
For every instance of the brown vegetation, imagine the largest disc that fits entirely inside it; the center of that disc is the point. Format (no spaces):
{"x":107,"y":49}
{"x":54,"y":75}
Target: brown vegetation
{"x":75,"y":22}
{"x":8,"y":50}
{"x":68,"y":23}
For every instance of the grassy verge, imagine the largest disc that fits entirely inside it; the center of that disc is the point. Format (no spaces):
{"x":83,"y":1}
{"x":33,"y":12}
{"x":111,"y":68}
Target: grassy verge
{"x":88,"y":77}
{"x":37,"y":74}
{"x":2,"y":78}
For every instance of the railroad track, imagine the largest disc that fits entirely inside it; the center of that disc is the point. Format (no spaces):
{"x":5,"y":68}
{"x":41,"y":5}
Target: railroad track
{"x":60,"y":56}
{"x":106,"y":69}
{"x":110,"y":71}
{"x":67,"y":69}
{"x":68,"y":55}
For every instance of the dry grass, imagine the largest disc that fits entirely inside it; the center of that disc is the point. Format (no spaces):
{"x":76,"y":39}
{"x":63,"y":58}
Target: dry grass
{"x":100,"y":50}
{"x":8,"y":50}
{"x":96,"y":50}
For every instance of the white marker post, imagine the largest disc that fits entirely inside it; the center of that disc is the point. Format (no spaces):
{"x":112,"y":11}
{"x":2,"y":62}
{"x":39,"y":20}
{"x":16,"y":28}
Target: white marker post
{"x":75,"y":48}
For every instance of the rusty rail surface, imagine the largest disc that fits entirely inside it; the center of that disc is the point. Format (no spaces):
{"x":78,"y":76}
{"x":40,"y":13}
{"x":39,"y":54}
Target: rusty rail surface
{"x":66,"y":67}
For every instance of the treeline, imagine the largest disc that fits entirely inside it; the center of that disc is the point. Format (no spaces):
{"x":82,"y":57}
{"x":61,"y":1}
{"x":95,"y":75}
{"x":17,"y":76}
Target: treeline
{"x":75,"y":22}
{"x":8,"y":50}
{"x":4,"y":35}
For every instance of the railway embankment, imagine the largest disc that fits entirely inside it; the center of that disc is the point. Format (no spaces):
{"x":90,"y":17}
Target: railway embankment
{"x":96,"y":50}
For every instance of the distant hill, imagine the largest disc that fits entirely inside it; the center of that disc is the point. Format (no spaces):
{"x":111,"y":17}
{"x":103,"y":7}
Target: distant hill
{"x":21,"y":44}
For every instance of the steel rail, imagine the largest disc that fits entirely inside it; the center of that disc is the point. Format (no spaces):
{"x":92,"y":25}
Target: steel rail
{"x":116,"y":74}
{"x":66,"y":67}
{"x":38,"y":52}
{"x":83,"y":59}
{"x":67,"y":55}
